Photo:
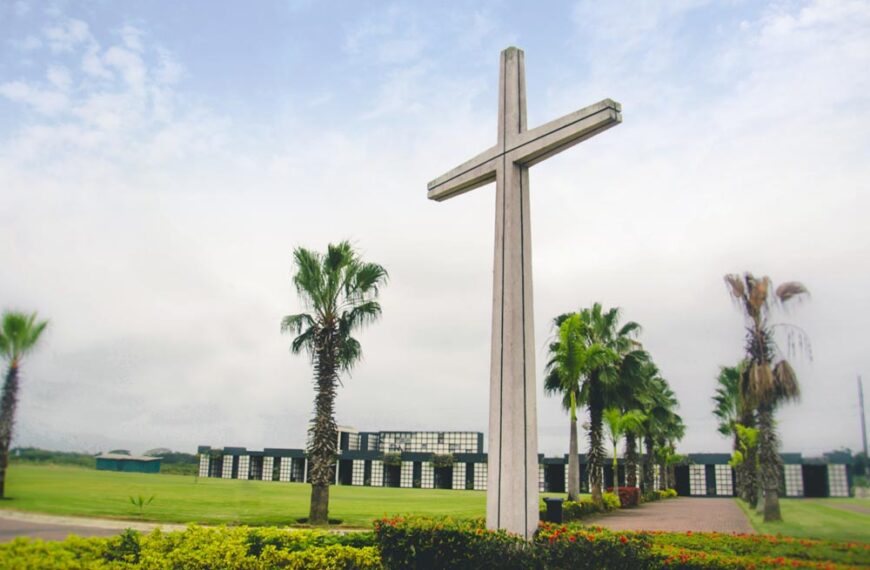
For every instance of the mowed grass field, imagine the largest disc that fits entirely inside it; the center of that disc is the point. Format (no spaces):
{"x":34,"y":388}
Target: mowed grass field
{"x":74,"y":491}
{"x":832,"y":519}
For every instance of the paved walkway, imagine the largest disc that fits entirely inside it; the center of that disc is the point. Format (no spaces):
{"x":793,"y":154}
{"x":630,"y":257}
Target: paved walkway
{"x":680,"y":514}
{"x":48,"y":527}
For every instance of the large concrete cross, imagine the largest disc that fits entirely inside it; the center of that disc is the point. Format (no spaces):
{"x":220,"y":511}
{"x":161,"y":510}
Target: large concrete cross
{"x":512,"y":486}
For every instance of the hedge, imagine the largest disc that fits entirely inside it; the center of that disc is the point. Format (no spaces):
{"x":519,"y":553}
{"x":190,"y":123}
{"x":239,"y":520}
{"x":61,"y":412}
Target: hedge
{"x":198,"y":548}
{"x":416,"y":543}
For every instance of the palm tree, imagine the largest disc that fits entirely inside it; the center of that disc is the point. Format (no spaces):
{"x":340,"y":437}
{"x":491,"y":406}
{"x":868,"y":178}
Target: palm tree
{"x":566,"y":365}
{"x":636,"y":395}
{"x":731,"y":410}
{"x":340,"y":290}
{"x":19,"y":334}
{"x":619,"y":424}
{"x":657,"y":402}
{"x":769,"y":380}
{"x":617,"y":358}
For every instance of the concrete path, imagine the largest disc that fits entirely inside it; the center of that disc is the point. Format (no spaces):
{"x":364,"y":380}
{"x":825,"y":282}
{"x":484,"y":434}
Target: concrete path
{"x":680,"y":514}
{"x":860,"y":509}
{"x":49,"y":527}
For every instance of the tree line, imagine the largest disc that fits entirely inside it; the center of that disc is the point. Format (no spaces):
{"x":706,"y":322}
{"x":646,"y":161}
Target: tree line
{"x":597,"y":363}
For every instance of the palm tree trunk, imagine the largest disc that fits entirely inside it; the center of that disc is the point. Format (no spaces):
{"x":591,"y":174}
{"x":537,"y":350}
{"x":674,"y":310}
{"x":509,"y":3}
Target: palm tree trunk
{"x":738,"y":472}
{"x":596,"y":447}
{"x":573,"y":462}
{"x":770,"y":464}
{"x":630,"y":460}
{"x":615,"y":477}
{"x":7,"y":419}
{"x":648,"y":465}
{"x":324,"y":433}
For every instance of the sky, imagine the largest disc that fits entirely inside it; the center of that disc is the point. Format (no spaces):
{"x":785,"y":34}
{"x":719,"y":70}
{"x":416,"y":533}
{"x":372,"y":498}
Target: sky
{"x":160,"y":161}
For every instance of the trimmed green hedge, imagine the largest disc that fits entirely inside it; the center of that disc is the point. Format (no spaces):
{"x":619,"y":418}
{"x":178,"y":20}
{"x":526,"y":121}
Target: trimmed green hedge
{"x":198,"y":548}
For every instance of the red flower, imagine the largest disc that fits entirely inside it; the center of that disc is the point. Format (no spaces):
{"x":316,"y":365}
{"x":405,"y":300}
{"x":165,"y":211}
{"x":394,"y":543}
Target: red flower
{"x":623,"y":540}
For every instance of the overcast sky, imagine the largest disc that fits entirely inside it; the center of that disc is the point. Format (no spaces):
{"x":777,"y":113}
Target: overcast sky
{"x":159,"y":162}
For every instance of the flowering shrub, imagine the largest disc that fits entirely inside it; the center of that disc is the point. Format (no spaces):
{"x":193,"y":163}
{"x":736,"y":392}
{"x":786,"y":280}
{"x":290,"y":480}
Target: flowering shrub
{"x":850,"y":553}
{"x":628,"y":496}
{"x":446,"y":543}
{"x":417,"y":542}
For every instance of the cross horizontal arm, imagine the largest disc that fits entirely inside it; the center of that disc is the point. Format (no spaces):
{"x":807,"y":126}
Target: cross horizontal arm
{"x":531,"y":147}
{"x":467,"y":176}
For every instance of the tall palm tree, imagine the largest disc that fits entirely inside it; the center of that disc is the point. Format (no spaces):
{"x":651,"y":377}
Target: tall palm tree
{"x":668,"y":434}
{"x":618,"y":356}
{"x":339,"y":289}
{"x":19,"y":334}
{"x":658,"y":404}
{"x":731,"y":409}
{"x":769,"y":380}
{"x":566,"y":365}
{"x":619,"y":424}
{"x":635,"y":395}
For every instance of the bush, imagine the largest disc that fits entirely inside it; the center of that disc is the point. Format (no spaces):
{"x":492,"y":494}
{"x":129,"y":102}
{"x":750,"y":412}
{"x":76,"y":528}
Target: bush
{"x":445,"y":543}
{"x":574,"y":511}
{"x":611,"y":501}
{"x":651,"y":496}
{"x":198,"y":548}
{"x":628,"y":496}
{"x":768,"y":546}
{"x":178,"y":469}
{"x":417,"y":542}
{"x":578,"y":547}
{"x":431,"y":543}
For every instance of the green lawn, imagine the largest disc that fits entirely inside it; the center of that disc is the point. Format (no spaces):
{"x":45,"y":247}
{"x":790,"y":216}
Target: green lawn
{"x":75,"y":491}
{"x":817,"y":518}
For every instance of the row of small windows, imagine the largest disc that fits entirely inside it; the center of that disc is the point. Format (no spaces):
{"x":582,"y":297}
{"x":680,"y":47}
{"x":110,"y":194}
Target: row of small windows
{"x":702,"y":479}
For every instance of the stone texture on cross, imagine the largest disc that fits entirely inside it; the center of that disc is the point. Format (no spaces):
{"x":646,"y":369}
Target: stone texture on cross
{"x":512,"y":486}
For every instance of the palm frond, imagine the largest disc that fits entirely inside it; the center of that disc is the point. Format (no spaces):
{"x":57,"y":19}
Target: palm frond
{"x":759,"y":289}
{"x":735,"y":287}
{"x":349,"y":353}
{"x":19,"y":333}
{"x":785,"y":382}
{"x":791,"y":290}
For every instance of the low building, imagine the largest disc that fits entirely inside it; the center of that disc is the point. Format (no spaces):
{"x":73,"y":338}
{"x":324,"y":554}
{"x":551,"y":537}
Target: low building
{"x":455,"y":460}
{"x":128,"y":463}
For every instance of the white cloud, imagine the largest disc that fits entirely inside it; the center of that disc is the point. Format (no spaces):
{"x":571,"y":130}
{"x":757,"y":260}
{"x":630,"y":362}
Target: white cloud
{"x":29,"y":43}
{"x":176,"y":223}
{"x":67,"y":35}
{"x":59,"y":76}
{"x":40,"y":100}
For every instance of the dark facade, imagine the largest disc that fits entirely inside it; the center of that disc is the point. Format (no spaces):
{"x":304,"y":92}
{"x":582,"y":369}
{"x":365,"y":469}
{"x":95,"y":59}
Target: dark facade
{"x":128,"y":463}
{"x":438,"y":460}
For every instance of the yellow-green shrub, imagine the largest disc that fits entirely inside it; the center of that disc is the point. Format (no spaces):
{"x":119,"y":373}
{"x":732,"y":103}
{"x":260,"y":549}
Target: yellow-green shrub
{"x":198,"y":548}
{"x":611,"y":501}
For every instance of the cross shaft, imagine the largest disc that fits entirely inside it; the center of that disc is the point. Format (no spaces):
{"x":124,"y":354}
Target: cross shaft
{"x":512,"y":480}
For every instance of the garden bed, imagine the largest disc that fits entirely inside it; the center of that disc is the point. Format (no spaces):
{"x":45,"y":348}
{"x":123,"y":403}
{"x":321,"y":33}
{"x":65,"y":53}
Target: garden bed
{"x":442,"y":543}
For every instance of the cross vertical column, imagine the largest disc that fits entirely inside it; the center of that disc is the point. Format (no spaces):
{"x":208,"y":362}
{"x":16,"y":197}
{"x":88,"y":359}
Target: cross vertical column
{"x":512,"y":497}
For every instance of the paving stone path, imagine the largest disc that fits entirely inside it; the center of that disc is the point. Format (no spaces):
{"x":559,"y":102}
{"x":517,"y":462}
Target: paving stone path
{"x":860,"y":509}
{"x":48,"y":527}
{"x":680,"y":514}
